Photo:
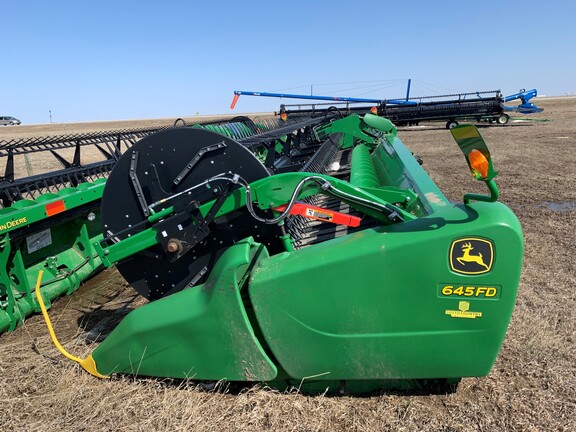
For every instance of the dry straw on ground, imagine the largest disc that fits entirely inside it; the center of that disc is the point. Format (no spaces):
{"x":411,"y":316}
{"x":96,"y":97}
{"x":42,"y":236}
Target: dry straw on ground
{"x":532,"y":386}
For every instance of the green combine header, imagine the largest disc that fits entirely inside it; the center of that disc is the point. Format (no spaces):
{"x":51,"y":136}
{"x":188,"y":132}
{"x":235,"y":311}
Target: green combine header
{"x":49,"y":220}
{"x":314,"y":252}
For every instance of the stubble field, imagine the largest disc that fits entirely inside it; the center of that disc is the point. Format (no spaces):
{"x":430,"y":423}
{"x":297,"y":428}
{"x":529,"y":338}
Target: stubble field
{"x":532,"y":386}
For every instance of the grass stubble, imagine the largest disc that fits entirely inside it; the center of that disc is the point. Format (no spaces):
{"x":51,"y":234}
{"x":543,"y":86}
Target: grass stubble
{"x":532,"y":386}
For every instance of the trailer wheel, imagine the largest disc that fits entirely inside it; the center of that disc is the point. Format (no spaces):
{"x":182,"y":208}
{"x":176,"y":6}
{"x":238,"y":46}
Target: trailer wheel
{"x":503,"y":119}
{"x":451,"y":124}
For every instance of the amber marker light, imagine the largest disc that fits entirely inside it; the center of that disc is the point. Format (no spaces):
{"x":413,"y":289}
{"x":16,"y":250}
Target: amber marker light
{"x":479,"y":162}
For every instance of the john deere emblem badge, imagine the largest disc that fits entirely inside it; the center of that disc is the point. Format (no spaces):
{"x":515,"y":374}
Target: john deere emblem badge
{"x":471,"y":256}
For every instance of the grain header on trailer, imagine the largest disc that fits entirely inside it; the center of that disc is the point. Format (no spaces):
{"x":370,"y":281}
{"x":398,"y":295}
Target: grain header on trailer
{"x":479,"y":106}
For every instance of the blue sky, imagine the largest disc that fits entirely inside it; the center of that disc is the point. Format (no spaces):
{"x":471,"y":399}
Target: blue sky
{"x":114,"y":60}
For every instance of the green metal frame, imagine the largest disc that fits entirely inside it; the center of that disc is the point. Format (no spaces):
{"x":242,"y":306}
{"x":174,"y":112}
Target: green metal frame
{"x":403,"y":300}
{"x":32,"y":239}
{"x":369,"y":305}
{"x":69,"y":258}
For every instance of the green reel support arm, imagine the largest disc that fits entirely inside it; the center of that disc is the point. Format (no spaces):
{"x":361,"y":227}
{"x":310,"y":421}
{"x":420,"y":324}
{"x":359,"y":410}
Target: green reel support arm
{"x":266,"y":194}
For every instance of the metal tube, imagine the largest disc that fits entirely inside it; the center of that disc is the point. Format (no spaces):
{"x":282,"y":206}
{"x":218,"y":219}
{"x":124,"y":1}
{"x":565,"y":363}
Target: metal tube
{"x":317,"y":97}
{"x":494,"y":194}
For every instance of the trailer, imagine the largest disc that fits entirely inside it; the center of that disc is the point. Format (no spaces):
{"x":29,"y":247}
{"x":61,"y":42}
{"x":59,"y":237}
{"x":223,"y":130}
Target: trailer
{"x":481,"y":106}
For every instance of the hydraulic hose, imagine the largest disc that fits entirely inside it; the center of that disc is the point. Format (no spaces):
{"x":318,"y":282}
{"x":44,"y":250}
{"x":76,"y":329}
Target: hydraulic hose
{"x":88,"y":363}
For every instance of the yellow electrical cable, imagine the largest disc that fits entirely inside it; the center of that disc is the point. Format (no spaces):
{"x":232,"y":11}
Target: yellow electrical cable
{"x":88,"y":363}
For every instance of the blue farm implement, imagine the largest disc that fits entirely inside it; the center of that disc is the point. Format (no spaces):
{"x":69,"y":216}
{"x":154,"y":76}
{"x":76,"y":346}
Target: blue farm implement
{"x":482,"y":106}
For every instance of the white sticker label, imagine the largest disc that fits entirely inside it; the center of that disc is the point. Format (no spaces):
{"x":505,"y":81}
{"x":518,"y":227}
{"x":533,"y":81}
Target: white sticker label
{"x":39,"y":240}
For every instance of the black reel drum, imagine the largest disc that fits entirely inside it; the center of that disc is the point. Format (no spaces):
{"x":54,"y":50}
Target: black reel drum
{"x":175,"y":164}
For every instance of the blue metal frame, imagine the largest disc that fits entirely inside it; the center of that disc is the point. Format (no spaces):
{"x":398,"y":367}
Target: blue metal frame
{"x":325,"y":98}
{"x":525,"y":107}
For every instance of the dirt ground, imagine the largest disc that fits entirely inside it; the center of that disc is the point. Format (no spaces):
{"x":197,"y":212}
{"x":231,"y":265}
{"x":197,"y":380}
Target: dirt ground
{"x":532,"y":386}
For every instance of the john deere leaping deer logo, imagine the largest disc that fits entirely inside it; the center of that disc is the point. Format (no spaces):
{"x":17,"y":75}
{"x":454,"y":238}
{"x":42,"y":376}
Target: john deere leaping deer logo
{"x":467,"y":257}
{"x":471,"y":255}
